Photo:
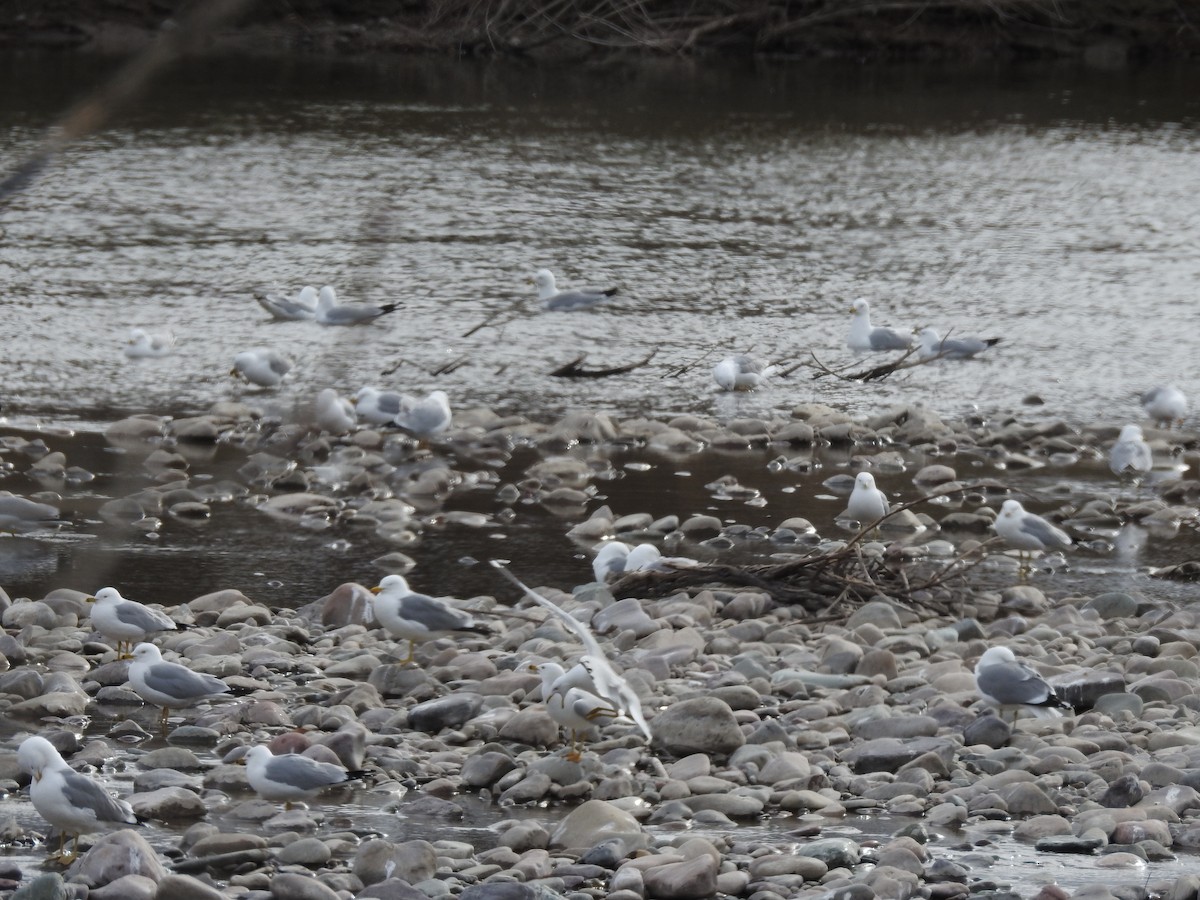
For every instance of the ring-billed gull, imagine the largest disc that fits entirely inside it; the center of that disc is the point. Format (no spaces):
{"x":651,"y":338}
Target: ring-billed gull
{"x":1166,"y":405}
{"x":376,"y":406}
{"x":867,"y":503}
{"x":300,"y":308}
{"x":609,"y":685}
{"x":170,"y":685}
{"x":554,"y":300}
{"x":610,"y":560}
{"x":1130,"y":456}
{"x":333,"y":413}
{"x":418,"y":617}
{"x":863,"y":336}
{"x":1006,"y":683}
{"x":330,"y":312}
{"x":73,"y":803}
{"x":740,"y":373}
{"x":124,"y":621}
{"x":143,"y":344}
{"x":291,"y":777}
{"x":570,"y":699}
{"x":426,"y":416}
{"x":933,"y":345}
{"x":1026,"y":532}
{"x":261,"y":366}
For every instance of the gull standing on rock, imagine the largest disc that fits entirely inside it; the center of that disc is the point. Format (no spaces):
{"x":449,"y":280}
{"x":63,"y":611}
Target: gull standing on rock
{"x":300,"y":308}
{"x":261,"y":366}
{"x":863,"y":336}
{"x":1166,"y":405}
{"x":1026,"y":532}
{"x":570,"y":699}
{"x":377,"y":407}
{"x":1130,"y":456}
{"x":554,"y":300}
{"x":867,"y":503}
{"x":291,"y":777}
{"x":170,"y":685}
{"x":426,"y":416}
{"x":932,"y":346}
{"x":609,"y":685}
{"x":333,"y":413}
{"x":124,"y":621}
{"x":73,"y":803}
{"x":418,"y":617}
{"x":740,"y":373}
{"x":330,"y":312}
{"x":1006,"y":683}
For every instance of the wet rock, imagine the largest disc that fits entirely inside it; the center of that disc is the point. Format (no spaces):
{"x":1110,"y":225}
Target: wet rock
{"x":1069,"y":843}
{"x":45,"y":887}
{"x":835,"y":853}
{"x":127,"y":887}
{"x":592,"y":822}
{"x":433,"y":716}
{"x":377,"y":860}
{"x":688,"y":880}
{"x":116,"y":855}
{"x":1113,"y":605}
{"x":990,"y":731}
{"x":1124,"y":792}
{"x":290,"y":886}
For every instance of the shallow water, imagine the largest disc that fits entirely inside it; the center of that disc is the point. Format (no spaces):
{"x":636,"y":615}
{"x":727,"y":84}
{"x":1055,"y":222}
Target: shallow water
{"x":738,"y":210}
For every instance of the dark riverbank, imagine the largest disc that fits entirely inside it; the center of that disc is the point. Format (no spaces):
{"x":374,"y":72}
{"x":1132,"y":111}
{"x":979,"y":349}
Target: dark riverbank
{"x":1105,"y":33}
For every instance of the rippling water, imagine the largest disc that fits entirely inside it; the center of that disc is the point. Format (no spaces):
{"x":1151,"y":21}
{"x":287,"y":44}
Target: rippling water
{"x":737,"y":210}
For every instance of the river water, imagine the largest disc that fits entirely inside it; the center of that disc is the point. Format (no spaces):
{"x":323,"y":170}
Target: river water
{"x":737,"y":208}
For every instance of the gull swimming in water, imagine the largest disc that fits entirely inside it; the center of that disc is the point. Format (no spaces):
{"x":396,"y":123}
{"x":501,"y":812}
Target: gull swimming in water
{"x":570,"y":699}
{"x":1166,"y":405}
{"x":1006,"y":683}
{"x":1130,"y":456}
{"x":426,"y":416}
{"x":418,"y":617}
{"x":168,"y":684}
{"x":124,"y":621}
{"x":863,"y":336}
{"x":554,"y":300}
{"x":330,"y":312}
{"x":143,"y":344}
{"x":301,"y":308}
{"x":73,"y":803}
{"x":932,"y":345}
{"x":261,"y":366}
{"x":1027,"y":532}
{"x":609,"y":685}
{"x":290,"y":776}
{"x":740,"y":373}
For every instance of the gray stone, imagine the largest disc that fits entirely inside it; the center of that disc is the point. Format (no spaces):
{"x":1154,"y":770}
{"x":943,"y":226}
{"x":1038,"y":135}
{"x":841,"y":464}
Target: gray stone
{"x":291,"y":886}
{"x":392,"y":889}
{"x":127,"y":887}
{"x":433,"y":716}
{"x":169,"y":804}
{"x":1113,"y":605}
{"x":990,"y":731}
{"x":378,"y":860}
{"x":1068,"y":843}
{"x":1027,"y":799}
{"x":308,"y":851}
{"x":1124,"y":792}
{"x":698,"y":725}
{"x":691,"y":879}
{"x":836,"y":853}
{"x":485,"y":769}
{"x":592,"y":822}
{"x":116,"y":855}
{"x":889,"y":754}
{"x":45,"y":887}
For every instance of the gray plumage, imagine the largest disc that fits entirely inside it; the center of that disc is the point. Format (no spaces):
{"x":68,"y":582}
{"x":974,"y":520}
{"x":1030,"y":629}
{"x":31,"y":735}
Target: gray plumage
{"x":261,"y":366}
{"x":932,"y":345}
{"x":1130,"y":456}
{"x":80,"y":791}
{"x":1027,"y":531}
{"x":300,"y":308}
{"x":554,"y":300}
{"x":740,"y":373}
{"x":330,"y":312}
{"x":167,"y":684}
{"x":1165,"y":404}
{"x":290,"y":776}
{"x":1004,"y":681}
{"x":865,"y":336}
{"x":426,"y":416}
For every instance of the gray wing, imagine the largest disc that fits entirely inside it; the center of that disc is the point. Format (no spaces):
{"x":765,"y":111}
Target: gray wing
{"x":80,"y":791}
{"x":433,"y":614}
{"x":1041,"y":530}
{"x":1012,"y":683}
{"x":303,"y":773}
{"x":182,"y":683}
{"x":352,"y":314}
{"x":566,"y":301}
{"x":278,"y":364}
{"x":748,"y":365}
{"x":889,"y":339}
{"x":283,"y":308}
{"x":1130,"y":457}
{"x":422,"y":418}
{"x":962,"y":347}
{"x":144,"y":618}
{"x":390,"y":403}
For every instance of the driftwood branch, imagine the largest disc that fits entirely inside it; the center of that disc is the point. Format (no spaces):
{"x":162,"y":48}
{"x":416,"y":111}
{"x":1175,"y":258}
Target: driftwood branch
{"x":575,"y":369}
{"x":873,"y":374}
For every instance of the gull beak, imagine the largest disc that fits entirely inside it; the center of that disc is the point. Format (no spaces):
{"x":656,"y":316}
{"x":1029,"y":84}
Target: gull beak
{"x":89,"y":599}
{"x":375,"y":590}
